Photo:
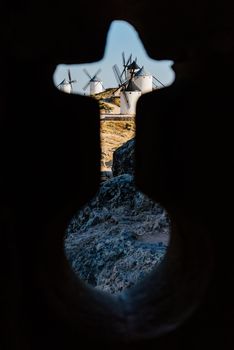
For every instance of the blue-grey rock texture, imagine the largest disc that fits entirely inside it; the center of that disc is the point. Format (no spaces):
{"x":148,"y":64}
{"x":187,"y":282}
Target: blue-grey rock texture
{"x":124,"y":159}
{"x":119,"y":236}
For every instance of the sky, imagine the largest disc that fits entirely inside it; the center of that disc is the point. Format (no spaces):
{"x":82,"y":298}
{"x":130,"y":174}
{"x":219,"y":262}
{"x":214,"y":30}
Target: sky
{"x":122,"y":37}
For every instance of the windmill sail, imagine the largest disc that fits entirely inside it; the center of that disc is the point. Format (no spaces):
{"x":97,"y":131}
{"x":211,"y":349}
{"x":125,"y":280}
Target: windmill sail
{"x":94,"y":82}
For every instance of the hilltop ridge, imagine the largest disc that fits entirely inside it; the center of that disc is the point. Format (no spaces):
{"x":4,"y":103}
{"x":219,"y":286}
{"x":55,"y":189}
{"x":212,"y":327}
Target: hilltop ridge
{"x":109,"y":101}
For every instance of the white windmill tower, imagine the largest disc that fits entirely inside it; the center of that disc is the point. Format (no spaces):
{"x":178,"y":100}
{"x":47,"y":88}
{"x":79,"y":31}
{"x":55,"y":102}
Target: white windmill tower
{"x":129,"y":93}
{"x":94,"y":82}
{"x":143,"y":80}
{"x":66,"y":85}
{"x":128,"y":98}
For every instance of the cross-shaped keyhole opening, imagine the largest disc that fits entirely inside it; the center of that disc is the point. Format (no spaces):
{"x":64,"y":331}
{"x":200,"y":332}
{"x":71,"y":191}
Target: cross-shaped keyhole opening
{"x":120,"y":235}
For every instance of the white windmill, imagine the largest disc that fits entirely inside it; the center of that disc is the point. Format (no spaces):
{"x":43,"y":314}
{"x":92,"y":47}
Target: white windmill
{"x":94,"y":82}
{"x":143,"y":80}
{"x":129,"y":93}
{"x":66,"y":85}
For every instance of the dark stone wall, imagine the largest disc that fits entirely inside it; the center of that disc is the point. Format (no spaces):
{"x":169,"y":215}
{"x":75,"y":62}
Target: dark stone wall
{"x":50,"y":168}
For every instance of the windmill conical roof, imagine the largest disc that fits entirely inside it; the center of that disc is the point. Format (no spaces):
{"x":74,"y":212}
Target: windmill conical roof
{"x":133,"y":65}
{"x":96,"y":80}
{"x":132,"y":86}
{"x":142,"y":73}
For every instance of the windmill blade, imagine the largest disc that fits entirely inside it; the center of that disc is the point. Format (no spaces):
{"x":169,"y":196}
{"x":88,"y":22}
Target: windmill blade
{"x":61,"y":83}
{"x":125,"y":65}
{"x":95,"y":75}
{"x":159,"y":81}
{"x":123,"y":58}
{"x":70,"y":81}
{"x":87,"y":73}
{"x":155,"y":85}
{"x":129,"y":60}
{"x":117,"y":74}
{"x":123,"y":73}
{"x":86,"y":86}
{"x":69,"y":75}
{"x":124,"y":70}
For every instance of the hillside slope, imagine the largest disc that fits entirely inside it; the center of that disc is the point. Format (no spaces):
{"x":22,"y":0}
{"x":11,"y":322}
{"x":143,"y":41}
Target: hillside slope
{"x":113,"y":135}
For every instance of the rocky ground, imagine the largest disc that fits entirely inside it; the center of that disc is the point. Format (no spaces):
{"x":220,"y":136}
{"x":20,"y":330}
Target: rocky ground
{"x":119,"y":236}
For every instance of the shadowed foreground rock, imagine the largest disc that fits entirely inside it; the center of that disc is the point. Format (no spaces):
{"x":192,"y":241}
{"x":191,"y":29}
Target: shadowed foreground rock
{"x":123,"y":159}
{"x":120,"y":235}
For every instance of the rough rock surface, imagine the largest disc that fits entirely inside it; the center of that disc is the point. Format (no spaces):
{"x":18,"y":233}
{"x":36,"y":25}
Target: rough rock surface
{"x":123,"y":159}
{"x":118,"y":237}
